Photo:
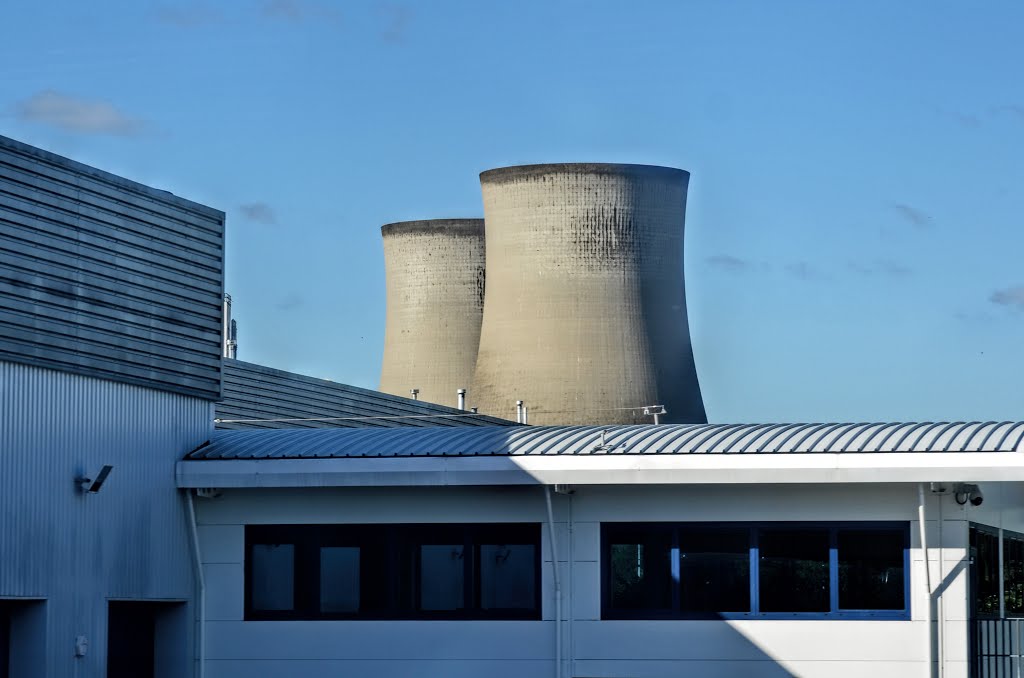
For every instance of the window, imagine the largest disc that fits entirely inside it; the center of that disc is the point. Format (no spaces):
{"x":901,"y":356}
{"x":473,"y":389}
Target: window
{"x":477,"y":571}
{"x":641,"y":570}
{"x":714,"y":570}
{"x":985,"y":570}
{"x":1013,"y":573}
{"x":661,"y":570}
{"x":273,"y":576}
{"x":871,"y":570}
{"x":794,"y":572}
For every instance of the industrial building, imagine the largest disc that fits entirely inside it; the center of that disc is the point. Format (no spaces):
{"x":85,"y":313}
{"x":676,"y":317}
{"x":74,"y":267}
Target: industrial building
{"x":789,"y":550}
{"x":110,"y":361}
{"x":168,"y":511}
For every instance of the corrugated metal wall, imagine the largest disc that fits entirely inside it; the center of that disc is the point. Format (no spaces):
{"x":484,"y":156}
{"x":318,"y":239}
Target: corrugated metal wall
{"x":106,"y":277}
{"x":257,"y":392}
{"x":131,"y":540}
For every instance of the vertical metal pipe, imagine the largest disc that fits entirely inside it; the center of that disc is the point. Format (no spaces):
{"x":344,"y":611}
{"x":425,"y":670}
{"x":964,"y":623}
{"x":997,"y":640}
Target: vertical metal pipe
{"x":461,"y":393}
{"x":558,"y":584}
{"x":526,"y":415}
{"x":233,"y":343}
{"x":519,"y":411}
{"x":940,"y":611}
{"x":226,"y":327}
{"x":923,"y":527}
{"x":415,"y":392}
{"x":201,"y":583}
{"x":571,"y":661}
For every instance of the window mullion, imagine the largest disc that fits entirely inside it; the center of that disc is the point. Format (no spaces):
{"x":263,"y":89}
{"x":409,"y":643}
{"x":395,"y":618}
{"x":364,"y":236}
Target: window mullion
{"x":755,"y":573}
{"x":833,"y":570}
{"x":674,"y":567}
{"x":469,"y":578}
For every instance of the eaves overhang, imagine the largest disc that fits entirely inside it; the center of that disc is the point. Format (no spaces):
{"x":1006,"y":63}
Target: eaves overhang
{"x":687,"y":469}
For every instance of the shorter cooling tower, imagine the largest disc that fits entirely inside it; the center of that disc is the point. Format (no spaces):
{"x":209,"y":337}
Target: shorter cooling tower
{"x":585,"y":313}
{"x":435,"y":294}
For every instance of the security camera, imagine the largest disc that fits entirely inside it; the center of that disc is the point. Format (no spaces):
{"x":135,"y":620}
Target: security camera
{"x":968,"y":492}
{"x":93,"y":485}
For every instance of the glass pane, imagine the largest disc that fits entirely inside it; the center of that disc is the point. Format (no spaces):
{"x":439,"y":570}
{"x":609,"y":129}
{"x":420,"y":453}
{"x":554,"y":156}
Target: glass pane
{"x":985,"y":555}
{"x":794,"y":571}
{"x":339,"y":579}
{"x":871,"y":570}
{"x":1013,"y":573}
{"x":507,"y":574}
{"x":441,"y":577}
{"x":273,"y":577}
{"x":641,"y":572}
{"x":714,"y":570}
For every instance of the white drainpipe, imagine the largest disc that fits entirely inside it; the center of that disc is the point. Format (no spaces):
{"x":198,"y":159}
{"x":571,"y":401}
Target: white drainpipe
{"x":558,"y":585}
{"x":198,"y":563}
{"x":923,"y":526}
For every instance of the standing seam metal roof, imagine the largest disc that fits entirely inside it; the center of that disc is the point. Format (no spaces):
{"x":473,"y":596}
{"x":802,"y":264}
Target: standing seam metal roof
{"x":593,"y":440}
{"x":263,"y":398}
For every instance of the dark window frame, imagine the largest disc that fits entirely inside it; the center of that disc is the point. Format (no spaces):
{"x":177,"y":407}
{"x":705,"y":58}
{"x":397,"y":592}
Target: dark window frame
{"x":398,"y":543}
{"x":974,"y":557}
{"x":609,"y":530}
{"x":1001,"y":536}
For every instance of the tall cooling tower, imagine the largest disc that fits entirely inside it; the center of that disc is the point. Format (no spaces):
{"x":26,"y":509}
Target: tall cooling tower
{"x":435,"y":295}
{"x":585,"y":312}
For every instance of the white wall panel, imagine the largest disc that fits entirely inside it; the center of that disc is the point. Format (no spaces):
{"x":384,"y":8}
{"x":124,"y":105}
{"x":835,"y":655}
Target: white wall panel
{"x":754,"y":647}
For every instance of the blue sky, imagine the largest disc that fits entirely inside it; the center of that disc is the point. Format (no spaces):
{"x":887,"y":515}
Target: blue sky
{"x":856,"y":214}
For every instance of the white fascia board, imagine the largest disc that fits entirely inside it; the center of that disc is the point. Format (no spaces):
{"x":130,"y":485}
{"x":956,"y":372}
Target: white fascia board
{"x":606,"y":470}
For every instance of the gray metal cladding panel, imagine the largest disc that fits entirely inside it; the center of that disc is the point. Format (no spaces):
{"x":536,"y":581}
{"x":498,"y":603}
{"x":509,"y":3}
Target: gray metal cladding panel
{"x":131,"y":540}
{"x":257,"y":393}
{"x":108,"y":278}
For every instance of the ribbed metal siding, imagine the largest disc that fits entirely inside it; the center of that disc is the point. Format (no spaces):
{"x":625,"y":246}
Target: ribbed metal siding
{"x":257,"y":392}
{"x":131,"y":540}
{"x":106,"y":277}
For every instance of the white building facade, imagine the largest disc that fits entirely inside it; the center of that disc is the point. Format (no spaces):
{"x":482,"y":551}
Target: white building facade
{"x":403,"y":553}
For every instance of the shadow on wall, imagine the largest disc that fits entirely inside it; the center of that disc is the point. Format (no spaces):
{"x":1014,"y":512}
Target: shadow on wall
{"x":662,"y":649}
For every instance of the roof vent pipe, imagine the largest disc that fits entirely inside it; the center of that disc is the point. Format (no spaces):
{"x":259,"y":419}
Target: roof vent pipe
{"x":519,"y":411}
{"x":226,"y":334}
{"x":233,"y":341}
{"x":415,"y":393}
{"x":526,"y":415}
{"x":462,"y":398}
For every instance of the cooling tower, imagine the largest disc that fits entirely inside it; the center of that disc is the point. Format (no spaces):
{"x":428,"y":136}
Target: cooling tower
{"x":585,"y":312}
{"x":435,"y":294}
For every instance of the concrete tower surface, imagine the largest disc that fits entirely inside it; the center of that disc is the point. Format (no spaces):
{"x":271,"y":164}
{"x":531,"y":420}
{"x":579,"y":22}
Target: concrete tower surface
{"x":435,"y":294}
{"x":585,"y":312}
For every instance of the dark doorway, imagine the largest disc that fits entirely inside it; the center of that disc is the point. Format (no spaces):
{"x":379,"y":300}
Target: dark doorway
{"x":147,"y":639}
{"x":131,"y":640}
{"x":22,"y":638}
{"x":5,"y":641}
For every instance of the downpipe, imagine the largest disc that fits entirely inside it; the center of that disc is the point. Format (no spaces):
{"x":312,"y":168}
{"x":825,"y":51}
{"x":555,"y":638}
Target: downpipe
{"x":200,"y":641}
{"x":558,"y":585}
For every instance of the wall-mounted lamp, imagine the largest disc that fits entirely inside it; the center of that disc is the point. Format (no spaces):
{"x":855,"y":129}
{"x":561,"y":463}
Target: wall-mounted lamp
{"x":93,"y":485}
